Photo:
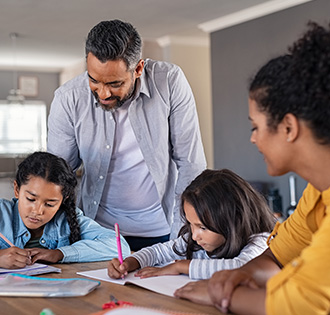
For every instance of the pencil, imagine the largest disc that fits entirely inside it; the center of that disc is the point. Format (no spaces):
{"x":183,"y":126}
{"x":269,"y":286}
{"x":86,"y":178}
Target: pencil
{"x":6,"y":240}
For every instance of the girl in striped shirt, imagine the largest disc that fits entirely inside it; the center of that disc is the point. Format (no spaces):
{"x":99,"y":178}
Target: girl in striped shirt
{"x":226,"y":224}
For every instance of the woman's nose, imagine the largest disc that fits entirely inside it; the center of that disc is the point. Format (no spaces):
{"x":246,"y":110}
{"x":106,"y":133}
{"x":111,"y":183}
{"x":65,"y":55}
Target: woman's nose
{"x":252,"y":138}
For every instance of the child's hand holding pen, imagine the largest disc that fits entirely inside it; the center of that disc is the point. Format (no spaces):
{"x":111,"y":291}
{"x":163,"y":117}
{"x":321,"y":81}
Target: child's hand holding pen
{"x":119,"y":268}
{"x":14,"y":257}
{"x":116,"y":270}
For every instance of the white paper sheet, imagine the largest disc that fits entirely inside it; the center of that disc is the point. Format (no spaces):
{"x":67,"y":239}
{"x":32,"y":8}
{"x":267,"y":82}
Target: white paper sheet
{"x":163,"y":284}
{"x":30,"y":270}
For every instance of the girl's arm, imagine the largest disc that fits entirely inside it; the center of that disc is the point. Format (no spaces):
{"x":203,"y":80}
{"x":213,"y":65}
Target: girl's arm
{"x":97,"y":243}
{"x":160,"y":254}
{"x":204,"y":268}
{"x":176,"y":268}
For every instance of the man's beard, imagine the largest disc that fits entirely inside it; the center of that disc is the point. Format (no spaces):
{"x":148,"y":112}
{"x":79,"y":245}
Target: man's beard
{"x":119,"y":102}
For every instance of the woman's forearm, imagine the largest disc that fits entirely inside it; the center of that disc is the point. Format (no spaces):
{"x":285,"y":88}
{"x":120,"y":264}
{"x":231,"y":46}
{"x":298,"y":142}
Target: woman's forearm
{"x":263,"y":267}
{"x":247,"y":301}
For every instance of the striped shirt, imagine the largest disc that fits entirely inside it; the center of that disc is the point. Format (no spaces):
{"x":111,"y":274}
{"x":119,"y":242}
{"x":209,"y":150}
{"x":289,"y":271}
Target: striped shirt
{"x":201,"y":266}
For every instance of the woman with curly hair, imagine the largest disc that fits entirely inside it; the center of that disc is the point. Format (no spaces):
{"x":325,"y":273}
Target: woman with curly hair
{"x":289,"y":109}
{"x":43,"y":223}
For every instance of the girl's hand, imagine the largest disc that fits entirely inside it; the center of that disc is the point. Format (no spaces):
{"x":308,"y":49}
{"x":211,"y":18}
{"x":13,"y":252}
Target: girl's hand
{"x":223,"y":283}
{"x":117,"y":270}
{"x":196,"y":292}
{"x":178,"y":267}
{"x":14,"y":257}
{"x":48,"y":255}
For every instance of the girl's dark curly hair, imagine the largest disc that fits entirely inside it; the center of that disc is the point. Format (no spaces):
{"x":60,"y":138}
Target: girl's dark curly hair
{"x":54,"y":170}
{"x":228,"y":205}
{"x":298,"y":83}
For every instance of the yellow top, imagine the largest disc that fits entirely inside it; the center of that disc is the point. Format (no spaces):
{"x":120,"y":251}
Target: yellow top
{"x":302,"y":245}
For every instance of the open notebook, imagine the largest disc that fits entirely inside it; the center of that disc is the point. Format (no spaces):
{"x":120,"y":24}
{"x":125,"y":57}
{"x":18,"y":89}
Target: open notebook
{"x":163,"y":284}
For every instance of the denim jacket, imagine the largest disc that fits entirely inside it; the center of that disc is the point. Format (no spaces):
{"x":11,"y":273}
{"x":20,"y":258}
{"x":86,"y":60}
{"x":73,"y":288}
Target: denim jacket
{"x":97,"y":243}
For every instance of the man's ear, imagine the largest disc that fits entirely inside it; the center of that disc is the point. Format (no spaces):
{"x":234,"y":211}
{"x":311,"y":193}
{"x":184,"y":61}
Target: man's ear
{"x":16,"y":189}
{"x":291,"y":125}
{"x":139,"y":68}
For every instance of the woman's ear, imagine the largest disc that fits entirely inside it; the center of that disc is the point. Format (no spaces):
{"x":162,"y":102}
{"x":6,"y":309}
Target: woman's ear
{"x":16,"y":189}
{"x":291,"y":125}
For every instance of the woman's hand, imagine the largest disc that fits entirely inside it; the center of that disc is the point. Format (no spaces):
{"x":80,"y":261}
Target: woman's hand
{"x":176,"y":268}
{"x":117,"y":270}
{"x":223,"y":283}
{"x":47,"y":255}
{"x":196,"y":292}
{"x":14,"y":257}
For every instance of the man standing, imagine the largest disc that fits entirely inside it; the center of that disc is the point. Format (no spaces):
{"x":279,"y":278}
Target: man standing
{"x":133,"y":125}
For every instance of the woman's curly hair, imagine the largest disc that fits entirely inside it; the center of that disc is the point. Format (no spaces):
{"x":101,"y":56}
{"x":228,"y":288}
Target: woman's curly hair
{"x":298,"y":83}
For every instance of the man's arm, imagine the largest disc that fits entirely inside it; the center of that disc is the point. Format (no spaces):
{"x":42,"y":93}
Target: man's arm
{"x":61,"y":136}
{"x":187,"y":152}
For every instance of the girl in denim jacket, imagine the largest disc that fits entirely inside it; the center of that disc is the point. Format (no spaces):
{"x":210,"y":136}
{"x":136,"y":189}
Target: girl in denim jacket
{"x":43,"y":223}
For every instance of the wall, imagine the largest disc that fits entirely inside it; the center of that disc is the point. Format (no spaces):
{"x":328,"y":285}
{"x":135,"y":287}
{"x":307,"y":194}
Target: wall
{"x":236,"y":53}
{"x":47,"y":84}
{"x":193,"y":56}
{"x":196,"y":64}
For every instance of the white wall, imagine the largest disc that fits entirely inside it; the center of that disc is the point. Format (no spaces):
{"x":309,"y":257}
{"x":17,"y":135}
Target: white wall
{"x":193,"y":56}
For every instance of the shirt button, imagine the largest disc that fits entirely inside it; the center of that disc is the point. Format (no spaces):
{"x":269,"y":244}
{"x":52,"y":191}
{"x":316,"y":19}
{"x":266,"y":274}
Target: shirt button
{"x":101,"y":177}
{"x":26,"y":234}
{"x":94,"y":202}
{"x":43,"y":241}
{"x":294,"y":263}
{"x":107,"y":146}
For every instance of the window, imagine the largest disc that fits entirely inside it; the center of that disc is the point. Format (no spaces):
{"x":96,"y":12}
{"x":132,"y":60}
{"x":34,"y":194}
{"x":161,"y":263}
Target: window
{"x":22,"y":127}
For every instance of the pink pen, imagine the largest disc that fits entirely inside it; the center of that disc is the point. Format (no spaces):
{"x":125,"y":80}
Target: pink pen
{"x":120,"y":254}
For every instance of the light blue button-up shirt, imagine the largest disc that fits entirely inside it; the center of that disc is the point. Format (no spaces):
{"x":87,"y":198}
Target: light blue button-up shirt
{"x":164,"y":120}
{"x":97,"y":243}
